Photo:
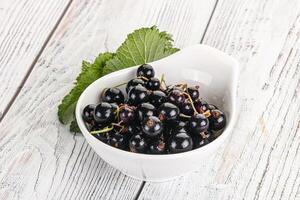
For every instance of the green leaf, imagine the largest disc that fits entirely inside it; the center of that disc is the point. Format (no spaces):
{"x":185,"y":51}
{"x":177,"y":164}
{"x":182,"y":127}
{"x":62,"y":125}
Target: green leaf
{"x":142,"y":46}
{"x":90,"y":73}
{"x":74,"y":127}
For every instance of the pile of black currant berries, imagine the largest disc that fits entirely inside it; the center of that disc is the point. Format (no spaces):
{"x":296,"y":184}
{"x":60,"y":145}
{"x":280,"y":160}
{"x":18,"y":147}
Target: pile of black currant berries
{"x":153,"y":118}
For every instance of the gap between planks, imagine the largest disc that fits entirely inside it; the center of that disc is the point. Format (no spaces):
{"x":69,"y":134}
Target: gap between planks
{"x":27,"y":74}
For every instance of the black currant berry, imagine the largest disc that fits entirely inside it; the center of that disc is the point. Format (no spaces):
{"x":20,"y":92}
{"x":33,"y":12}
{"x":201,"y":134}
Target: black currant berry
{"x":131,"y":129}
{"x":88,"y":113}
{"x":145,"y":70}
{"x":187,"y":108}
{"x":134,"y":82}
{"x":168,"y":111}
{"x":152,"y":126}
{"x":104,"y":113}
{"x":113,"y":95}
{"x":157,"y":147}
{"x":193,"y":92}
{"x":176,"y":97}
{"x":153,"y":84}
{"x":137,"y":144}
{"x":145,"y":110}
{"x":202,"y":139}
{"x":137,"y":95}
{"x":217,"y":120}
{"x":198,"y":123}
{"x":127,"y":114}
{"x":157,"y":98}
{"x":180,"y":142}
{"x":118,"y":140}
{"x":201,"y":106}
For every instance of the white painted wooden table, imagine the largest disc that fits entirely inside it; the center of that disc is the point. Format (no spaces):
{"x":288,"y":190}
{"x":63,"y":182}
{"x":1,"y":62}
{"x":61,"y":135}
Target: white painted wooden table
{"x":42,"y":44}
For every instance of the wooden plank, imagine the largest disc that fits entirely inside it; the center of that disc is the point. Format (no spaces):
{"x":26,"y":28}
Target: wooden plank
{"x":39,"y":158}
{"x":25,"y":27}
{"x":262,"y":158}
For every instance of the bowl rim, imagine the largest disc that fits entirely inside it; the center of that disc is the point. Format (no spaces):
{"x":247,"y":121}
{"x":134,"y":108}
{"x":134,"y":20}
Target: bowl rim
{"x":222,"y":137}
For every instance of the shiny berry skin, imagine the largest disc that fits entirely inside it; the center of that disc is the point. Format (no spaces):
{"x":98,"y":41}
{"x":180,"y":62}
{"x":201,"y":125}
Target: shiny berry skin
{"x":181,"y":125}
{"x":198,"y":123}
{"x":186,"y":108}
{"x":113,"y":95}
{"x":176,"y":97}
{"x":168,"y":111}
{"x":180,"y":142}
{"x":153,"y":84}
{"x":152,"y":126}
{"x":202,"y":139}
{"x":88,"y":113}
{"x":127,"y":114}
{"x":104,"y":113}
{"x":118,"y":140}
{"x":217,"y":120}
{"x":157,"y":98}
{"x":132,"y":129}
{"x":145,"y":70}
{"x":193,"y":92}
{"x":137,"y":95}
{"x":137,"y":144}
{"x":201,"y":106}
{"x":157,"y":147}
{"x":134,"y":82}
{"x":145,"y":110}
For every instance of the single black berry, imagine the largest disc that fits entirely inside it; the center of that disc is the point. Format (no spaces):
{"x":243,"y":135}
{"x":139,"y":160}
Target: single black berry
{"x":145,"y":110}
{"x":157,"y":98}
{"x":153,"y":84}
{"x":145,"y":70}
{"x":202,"y":139}
{"x":152,"y":126}
{"x":217,"y":120}
{"x":137,"y":144}
{"x":186,"y":108}
{"x":176,"y":97}
{"x":180,"y":142}
{"x":168,"y":111}
{"x":127,"y":114}
{"x":137,"y":95}
{"x":113,"y":95}
{"x":88,"y":113}
{"x":104,"y":113}
{"x":157,"y":147}
{"x":198,"y":123}
{"x":201,"y":106}
{"x":134,"y":82}
{"x":193,"y":92}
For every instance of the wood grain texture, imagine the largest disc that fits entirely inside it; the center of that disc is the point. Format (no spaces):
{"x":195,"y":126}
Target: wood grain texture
{"x":25,"y":26}
{"x":39,"y":158}
{"x":262,"y":158}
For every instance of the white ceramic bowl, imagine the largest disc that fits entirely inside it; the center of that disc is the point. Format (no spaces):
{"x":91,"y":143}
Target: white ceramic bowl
{"x":215,"y":72}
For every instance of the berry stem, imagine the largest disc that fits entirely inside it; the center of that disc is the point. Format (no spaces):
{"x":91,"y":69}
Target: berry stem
{"x":207,"y":113}
{"x":191,"y":101}
{"x":118,"y":124}
{"x":104,"y":130}
{"x":143,"y":77}
{"x":184,"y":116}
{"x":162,"y":81}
